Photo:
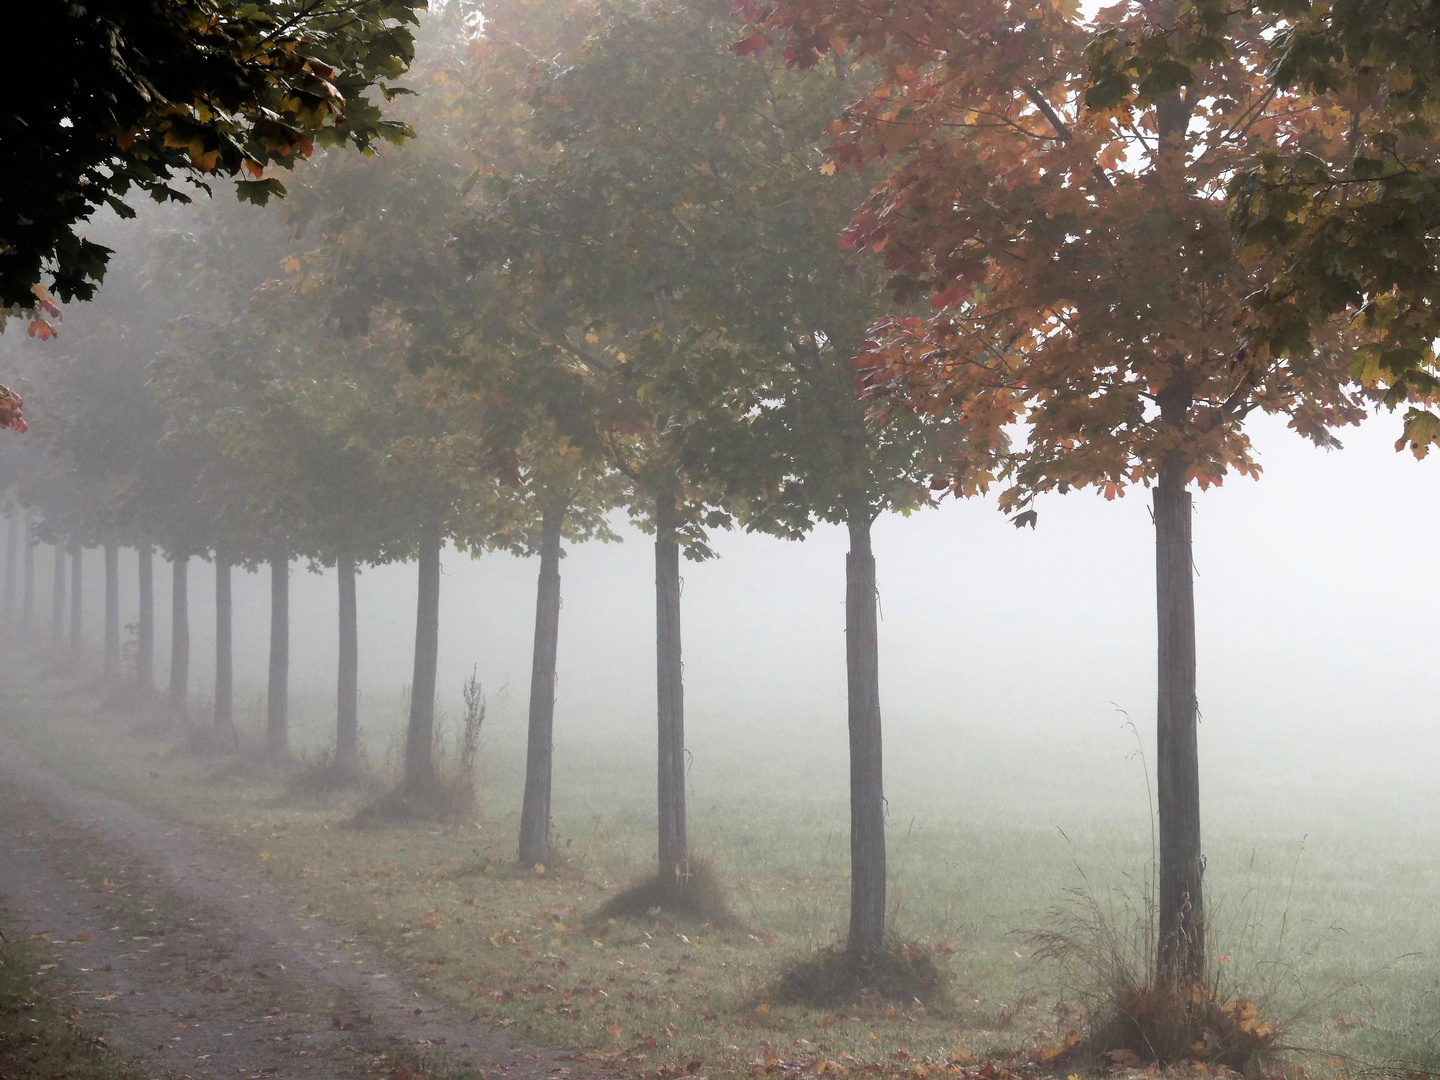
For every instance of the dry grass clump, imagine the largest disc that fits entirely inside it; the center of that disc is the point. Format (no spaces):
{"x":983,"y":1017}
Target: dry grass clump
{"x":207,"y":740}
{"x":455,"y":761}
{"x":322,"y":775}
{"x":1107,"y":962}
{"x":832,"y":977}
{"x":152,"y":711}
{"x":1165,"y":1025}
{"x":447,"y":795}
{"x":401,"y":806}
{"x":232,"y":751}
{"x":692,"y":894}
{"x":127,"y":698}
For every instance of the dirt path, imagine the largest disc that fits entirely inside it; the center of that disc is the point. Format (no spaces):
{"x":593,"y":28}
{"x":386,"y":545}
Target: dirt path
{"x":205,"y":970}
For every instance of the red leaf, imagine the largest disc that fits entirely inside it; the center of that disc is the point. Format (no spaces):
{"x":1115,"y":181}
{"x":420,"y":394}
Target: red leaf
{"x":753,"y":42}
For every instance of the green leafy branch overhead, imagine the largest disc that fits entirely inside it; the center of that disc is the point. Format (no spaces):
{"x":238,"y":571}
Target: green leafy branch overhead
{"x":139,"y":94}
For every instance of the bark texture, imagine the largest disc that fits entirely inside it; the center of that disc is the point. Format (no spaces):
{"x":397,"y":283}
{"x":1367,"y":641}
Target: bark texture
{"x":12,"y":563}
{"x":535,"y":809}
{"x":420,"y":735}
{"x":1181,"y":954}
{"x":277,"y":697}
{"x":145,"y":631}
{"x":27,"y":614}
{"x":179,"y":632}
{"x":112,"y":613}
{"x":347,"y":683}
{"x":867,"y":791}
{"x":77,"y":570}
{"x":670,"y":695}
{"x":224,"y":655}
{"x":57,"y":600}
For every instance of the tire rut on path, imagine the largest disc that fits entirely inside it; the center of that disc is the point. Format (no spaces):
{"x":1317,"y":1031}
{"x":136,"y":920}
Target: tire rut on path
{"x":237,"y":979}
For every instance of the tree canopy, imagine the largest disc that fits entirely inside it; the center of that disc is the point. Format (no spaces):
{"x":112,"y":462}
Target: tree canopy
{"x":142,"y":94}
{"x":1343,"y":219}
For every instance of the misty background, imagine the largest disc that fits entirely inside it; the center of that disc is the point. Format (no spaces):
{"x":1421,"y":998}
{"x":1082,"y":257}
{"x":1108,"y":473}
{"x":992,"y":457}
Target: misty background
{"x":1006,"y":654}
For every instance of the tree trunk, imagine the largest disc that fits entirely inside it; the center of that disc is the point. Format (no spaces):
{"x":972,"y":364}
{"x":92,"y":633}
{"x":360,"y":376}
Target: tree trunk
{"x":27,"y":615}
{"x":420,"y":736}
{"x":347,"y":682}
{"x":12,"y":562}
{"x":224,"y":657}
{"x":277,"y":702}
{"x":179,"y":633}
{"x":535,"y":810}
{"x":1181,"y":952}
{"x":77,"y":566}
{"x":112,"y":613}
{"x":145,"y":632}
{"x":57,"y":600}
{"x":867,"y":790}
{"x":670,"y":696}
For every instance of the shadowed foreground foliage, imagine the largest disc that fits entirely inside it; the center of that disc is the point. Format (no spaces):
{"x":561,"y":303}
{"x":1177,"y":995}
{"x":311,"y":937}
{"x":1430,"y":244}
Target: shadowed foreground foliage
{"x":135,"y":98}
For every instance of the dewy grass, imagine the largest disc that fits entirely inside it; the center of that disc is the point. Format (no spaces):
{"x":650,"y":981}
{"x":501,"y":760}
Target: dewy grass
{"x":972,"y":857}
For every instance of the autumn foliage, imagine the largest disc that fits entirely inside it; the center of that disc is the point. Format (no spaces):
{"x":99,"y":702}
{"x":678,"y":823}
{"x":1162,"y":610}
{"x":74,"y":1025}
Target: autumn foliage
{"x":1078,"y":260}
{"x":628,"y":265}
{"x":1071,"y":236}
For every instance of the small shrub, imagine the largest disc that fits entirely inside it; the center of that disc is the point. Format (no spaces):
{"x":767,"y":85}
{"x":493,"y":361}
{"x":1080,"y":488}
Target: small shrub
{"x":449,"y":793}
{"x":1107,"y":963}
{"x":693,"y":894}
{"x":455,"y":764}
{"x":127,"y":698}
{"x":833,"y":977}
{"x":207,"y":740}
{"x":324,"y":774}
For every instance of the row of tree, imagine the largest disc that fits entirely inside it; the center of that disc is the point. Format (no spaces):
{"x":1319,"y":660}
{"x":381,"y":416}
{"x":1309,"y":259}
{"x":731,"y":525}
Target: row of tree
{"x":66,"y":608}
{"x":605,"y":276}
{"x":618,"y":288}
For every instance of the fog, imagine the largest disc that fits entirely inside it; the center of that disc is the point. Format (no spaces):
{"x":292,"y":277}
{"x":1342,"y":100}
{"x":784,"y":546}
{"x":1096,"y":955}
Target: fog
{"x":596,"y":263}
{"x":1315,"y":621}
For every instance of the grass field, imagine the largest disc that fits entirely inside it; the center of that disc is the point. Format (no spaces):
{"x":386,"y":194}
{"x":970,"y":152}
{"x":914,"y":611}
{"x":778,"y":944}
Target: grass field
{"x":1323,"y":900}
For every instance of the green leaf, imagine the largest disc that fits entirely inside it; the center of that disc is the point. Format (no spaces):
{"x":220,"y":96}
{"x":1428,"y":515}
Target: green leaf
{"x":259,"y":191}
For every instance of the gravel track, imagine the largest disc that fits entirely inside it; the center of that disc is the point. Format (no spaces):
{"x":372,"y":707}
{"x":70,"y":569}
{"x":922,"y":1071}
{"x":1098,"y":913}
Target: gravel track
{"x":213,"y":971}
